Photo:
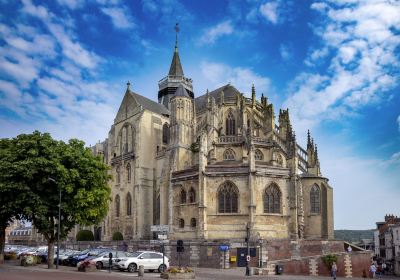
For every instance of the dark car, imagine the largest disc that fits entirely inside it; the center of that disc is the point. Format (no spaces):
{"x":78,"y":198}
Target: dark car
{"x":73,"y":260}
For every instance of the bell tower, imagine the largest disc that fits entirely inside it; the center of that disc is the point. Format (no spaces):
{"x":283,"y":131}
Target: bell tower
{"x":168,"y":85}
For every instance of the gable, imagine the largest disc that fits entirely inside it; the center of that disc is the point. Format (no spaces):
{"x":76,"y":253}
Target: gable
{"x":129,"y":106}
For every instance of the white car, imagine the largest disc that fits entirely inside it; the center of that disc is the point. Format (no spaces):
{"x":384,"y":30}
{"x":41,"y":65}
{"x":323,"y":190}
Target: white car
{"x":102,"y":260}
{"x":149,"y":259}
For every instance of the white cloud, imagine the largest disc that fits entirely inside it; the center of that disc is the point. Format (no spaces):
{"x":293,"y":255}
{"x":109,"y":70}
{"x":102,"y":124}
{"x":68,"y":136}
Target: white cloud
{"x":359,"y":46}
{"x":218,"y":74}
{"x":270,"y":11}
{"x":358,"y":182}
{"x":212,"y":34}
{"x":120,"y":17}
{"x":285,"y":51}
{"x":398,"y":121}
{"x":72,"y":4}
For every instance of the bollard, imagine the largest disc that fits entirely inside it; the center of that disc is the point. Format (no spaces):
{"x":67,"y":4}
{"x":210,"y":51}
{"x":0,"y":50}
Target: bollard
{"x":141,"y":270}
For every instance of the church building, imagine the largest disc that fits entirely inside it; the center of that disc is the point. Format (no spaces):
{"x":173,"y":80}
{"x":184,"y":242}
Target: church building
{"x":211,"y":166}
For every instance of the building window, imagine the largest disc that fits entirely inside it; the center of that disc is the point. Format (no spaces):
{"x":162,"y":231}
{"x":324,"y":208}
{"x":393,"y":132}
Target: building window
{"x":117,"y":205}
{"x":229,"y":154}
{"x":272,"y":199}
{"x":193,"y":222}
{"x":158,"y":208}
{"x":118,"y":173}
{"x":192,"y":196}
{"x":228,"y":195}
{"x":128,"y":204}
{"x":128,"y":172}
{"x":183,"y":196}
{"x":230,"y":124}
{"x":165,"y":134}
{"x":181,"y":223}
{"x":258,"y":155}
{"x":315,"y":200}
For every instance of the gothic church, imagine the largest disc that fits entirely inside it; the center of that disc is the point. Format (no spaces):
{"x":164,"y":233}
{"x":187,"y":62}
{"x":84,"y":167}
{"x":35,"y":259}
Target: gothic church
{"x":211,"y":167}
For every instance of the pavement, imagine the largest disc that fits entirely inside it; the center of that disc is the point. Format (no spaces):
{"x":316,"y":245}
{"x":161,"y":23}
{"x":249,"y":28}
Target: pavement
{"x":12,"y":271}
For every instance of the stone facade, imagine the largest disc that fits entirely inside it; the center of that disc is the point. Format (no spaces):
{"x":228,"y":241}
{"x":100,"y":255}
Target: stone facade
{"x":211,"y":168}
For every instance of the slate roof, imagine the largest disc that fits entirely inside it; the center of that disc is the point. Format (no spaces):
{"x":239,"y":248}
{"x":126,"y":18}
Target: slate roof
{"x":181,"y":91}
{"x":176,"y":67}
{"x":149,"y":104}
{"x":230,"y":94}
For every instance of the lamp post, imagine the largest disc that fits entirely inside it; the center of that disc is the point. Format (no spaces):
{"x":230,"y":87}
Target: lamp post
{"x":248,"y":249}
{"x":260,"y":241}
{"x":59,"y":222}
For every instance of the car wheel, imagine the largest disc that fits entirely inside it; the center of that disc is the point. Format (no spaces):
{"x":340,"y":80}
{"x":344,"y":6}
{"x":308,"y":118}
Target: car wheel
{"x":162,"y":268}
{"x":132,"y":267}
{"x":99,"y":265}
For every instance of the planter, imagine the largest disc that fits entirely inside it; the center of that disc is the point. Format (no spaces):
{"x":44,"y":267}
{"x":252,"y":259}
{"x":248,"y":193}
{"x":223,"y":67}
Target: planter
{"x":186,"y":275}
{"x":28,"y":260}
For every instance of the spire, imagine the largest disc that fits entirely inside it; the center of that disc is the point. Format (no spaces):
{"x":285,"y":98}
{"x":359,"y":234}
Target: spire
{"x":128,"y":86}
{"x":176,"y":66}
{"x":308,"y":139}
{"x":253,"y":94}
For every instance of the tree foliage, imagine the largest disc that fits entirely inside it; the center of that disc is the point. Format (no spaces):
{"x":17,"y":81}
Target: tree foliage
{"x":85,"y":235}
{"x":329,"y":260}
{"x":80,"y":176}
{"x":117,"y":236}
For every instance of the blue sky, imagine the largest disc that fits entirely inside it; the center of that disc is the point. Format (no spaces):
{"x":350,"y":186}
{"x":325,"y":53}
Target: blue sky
{"x":335,"y":64}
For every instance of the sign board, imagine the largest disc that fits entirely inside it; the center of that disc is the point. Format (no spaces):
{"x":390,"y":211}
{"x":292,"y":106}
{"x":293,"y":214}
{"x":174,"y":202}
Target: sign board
{"x":248,"y":258}
{"x":160,"y":228}
{"x":224,"y":247}
{"x":158,"y":242}
{"x":232,"y":259}
{"x":162,"y":236}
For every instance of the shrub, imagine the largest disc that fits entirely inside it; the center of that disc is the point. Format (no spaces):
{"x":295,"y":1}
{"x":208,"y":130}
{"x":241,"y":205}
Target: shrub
{"x":85,"y":235}
{"x":10,"y":256}
{"x":117,"y":236}
{"x":329,"y":260}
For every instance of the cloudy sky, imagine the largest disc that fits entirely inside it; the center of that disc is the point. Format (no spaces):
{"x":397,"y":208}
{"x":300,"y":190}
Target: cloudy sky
{"x":335,"y":64}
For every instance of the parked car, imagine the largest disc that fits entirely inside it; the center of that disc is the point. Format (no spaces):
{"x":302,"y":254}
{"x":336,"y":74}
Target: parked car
{"x":73,"y":260}
{"x":64,"y":254}
{"x":149,"y":259}
{"x":103,"y":259}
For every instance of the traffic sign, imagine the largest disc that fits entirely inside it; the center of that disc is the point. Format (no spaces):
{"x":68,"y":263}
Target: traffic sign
{"x":224,"y":247}
{"x":248,"y":258}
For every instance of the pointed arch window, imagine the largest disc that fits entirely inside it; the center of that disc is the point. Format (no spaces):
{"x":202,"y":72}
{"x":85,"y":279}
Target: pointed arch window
{"x":128,"y":204}
{"x":315,"y":199}
{"x":229,"y":154}
{"x":183,"y":196}
{"x":230,"y":124}
{"x":117,"y":205}
{"x":258,"y":155}
{"x":118,"y":171}
{"x":192,"y":195}
{"x":181,"y":223}
{"x":272,"y":199}
{"x":228,"y":195}
{"x":193,"y":222}
{"x":128,"y":172}
{"x":165,"y":134}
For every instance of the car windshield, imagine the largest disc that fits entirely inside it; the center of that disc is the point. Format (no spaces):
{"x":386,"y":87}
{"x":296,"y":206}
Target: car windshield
{"x":134,"y":254}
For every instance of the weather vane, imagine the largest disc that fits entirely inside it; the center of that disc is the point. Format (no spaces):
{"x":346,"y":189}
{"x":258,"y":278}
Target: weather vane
{"x":176,"y":39}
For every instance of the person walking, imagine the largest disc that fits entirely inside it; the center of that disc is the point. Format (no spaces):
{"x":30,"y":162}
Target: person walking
{"x":334,"y":270}
{"x":372,"y":269}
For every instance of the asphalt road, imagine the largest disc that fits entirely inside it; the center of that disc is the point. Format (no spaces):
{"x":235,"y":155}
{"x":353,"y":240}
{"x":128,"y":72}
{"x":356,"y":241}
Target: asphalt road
{"x":11,"y":271}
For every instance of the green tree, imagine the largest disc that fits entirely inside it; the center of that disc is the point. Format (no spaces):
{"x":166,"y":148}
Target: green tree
{"x":79,"y":175}
{"x":13,"y":197}
{"x":117,"y":236}
{"x":85,"y":235}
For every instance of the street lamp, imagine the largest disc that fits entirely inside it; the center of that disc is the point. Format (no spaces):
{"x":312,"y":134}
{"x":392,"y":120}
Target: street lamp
{"x":260,"y":241}
{"x":248,"y":249}
{"x":59,"y":222}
